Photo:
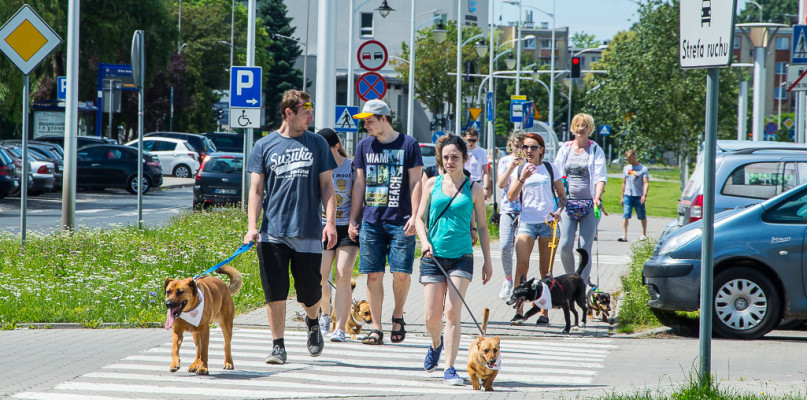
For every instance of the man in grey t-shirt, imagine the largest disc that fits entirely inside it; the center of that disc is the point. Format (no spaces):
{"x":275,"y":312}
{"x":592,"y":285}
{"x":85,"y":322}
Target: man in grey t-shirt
{"x":295,"y":169}
{"x":635,"y":184}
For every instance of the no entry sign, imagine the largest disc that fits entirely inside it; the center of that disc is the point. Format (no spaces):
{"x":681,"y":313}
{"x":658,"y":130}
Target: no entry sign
{"x":371,"y":86}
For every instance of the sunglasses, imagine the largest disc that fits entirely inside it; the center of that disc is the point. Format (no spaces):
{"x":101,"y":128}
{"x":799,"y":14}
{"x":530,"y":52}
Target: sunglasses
{"x":531,"y":147}
{"x":471,"y":140}
{"x":309,"y":105}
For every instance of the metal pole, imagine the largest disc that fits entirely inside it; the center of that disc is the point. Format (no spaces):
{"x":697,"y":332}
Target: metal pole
{"x":70,"y":118}
{"x":742,"y":111}
{"x":232,"y":33}
{"x":779,"y":108}
{"x":109,"y":110}
{"x":410,"y":105}
{"x":179,"y":25}
{"x":140,"y":109}
{"x":458,"y":106}
{"x":569,"y":114}
{"x":326,"y":65}
{"x":518,"y":49}
{"x":707,"y":249}
{"x":305,"y":56}
{"x":552,"y":75}
{"x":26,"y":87}
{"x":245,"y":177}
{"x":171,"y":119}
{"x":491,"y":130}
{"x":759,"y":93}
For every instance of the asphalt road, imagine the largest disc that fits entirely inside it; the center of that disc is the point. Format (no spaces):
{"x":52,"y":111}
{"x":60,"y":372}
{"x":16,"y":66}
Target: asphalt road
{"x":94,"y":209}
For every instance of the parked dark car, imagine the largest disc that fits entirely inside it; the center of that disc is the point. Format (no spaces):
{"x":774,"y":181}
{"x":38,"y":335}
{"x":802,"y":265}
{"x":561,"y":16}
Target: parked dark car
{"x":112,"y":165}
{"x":227,"y":141}
{"x":41,"y":171}
{"x":81,"y":141}
{"x":218,"y":180}
{"x":44,"y":151}
{"x":201,"y":144}
{"x":9,"y":181}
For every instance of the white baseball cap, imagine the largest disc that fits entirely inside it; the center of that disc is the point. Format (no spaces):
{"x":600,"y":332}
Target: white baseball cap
{"x":373,"y":107}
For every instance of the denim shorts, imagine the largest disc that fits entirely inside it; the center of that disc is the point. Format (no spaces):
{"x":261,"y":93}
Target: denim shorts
{"x":633,"y":202}
{"x":534,"y":230}
{"x":384,"y":242}
{"x":462,"y":267}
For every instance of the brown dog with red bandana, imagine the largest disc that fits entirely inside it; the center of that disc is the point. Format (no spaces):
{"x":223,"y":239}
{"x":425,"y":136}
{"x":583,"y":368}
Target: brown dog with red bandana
{"x":192,"y":306}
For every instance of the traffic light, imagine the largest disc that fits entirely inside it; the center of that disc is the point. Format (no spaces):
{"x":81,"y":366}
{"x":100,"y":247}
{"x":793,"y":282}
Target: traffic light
{"x":220,"y":114}
{"x":575,"y":67}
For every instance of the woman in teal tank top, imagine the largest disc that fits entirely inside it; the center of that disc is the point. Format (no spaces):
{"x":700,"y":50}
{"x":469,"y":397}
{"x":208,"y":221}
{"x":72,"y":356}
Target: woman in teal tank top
{"x":444,"y":229}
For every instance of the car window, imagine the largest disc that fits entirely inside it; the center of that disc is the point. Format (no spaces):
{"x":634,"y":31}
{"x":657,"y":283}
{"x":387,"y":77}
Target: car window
{"x":148,"y":145}
{"x":427,"y":151}
{"x":795,"y":173}
{"x":755,"y":180}
{"x":164,"y":146}
{"x":114,"y":154}
{"x":224,"y":165}
{"x":93,"y":154}
{"x":792,"y":210}
{"x":209,"y":146}
{"x":188,"y":146}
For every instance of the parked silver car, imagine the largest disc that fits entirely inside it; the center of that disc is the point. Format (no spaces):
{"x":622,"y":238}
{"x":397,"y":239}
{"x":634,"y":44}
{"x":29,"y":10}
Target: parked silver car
{"x":760,"y":275}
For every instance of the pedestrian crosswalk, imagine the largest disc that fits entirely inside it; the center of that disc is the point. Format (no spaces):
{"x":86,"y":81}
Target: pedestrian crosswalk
{"x":344,"y":369}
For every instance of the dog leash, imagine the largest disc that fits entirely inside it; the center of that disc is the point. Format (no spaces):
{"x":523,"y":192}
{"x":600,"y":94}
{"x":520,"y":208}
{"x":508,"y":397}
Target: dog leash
{"x":553,"y":241}
{"x":238,"y":252}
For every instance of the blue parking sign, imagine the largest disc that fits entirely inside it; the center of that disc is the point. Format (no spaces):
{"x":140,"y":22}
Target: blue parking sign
{"x":245,"y":87}
{"x":61,"y":87}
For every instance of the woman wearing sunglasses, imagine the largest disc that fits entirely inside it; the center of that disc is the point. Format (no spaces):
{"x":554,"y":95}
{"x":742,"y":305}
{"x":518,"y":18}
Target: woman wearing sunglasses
{"x":535,"y":185}
{"x":582,"y":161}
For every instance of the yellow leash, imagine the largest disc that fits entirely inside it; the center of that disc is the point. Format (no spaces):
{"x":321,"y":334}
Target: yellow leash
{"x":553,"y":242}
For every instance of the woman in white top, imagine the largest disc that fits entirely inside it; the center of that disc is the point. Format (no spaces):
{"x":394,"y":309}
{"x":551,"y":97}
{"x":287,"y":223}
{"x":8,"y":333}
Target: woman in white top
{"x":582,"y":161}
{"x":508,"y":212}
{"x":346,"y":249}
{"x":534,"y":184}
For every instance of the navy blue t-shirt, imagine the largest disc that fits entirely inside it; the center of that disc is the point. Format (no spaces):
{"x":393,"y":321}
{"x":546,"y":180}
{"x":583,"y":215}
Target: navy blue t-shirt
{"x":386,"y":171}
{"x":293,"y":202}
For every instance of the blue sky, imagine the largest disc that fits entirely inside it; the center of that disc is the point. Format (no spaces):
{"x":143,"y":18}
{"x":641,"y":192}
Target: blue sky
{"x":602,"y":18}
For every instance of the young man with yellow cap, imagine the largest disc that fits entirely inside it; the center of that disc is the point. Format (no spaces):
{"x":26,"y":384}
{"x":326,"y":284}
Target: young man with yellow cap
{"x":388,"y":166}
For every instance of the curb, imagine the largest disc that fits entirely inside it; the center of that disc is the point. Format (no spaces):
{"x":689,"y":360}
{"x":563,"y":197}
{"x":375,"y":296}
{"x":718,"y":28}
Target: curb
{"x":647,"y":333}
{"x":75,"y":325}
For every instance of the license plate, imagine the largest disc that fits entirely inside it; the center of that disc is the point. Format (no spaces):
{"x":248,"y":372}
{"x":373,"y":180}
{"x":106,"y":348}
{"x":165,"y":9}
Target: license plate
{"x":225,"y":191}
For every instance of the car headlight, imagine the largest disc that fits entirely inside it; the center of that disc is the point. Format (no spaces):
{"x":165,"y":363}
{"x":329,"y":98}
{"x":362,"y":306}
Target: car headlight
{"x":678,"y":241}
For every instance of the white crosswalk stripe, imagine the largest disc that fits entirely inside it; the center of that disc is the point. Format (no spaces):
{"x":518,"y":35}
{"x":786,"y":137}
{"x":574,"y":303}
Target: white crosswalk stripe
{"x":344,"y":369}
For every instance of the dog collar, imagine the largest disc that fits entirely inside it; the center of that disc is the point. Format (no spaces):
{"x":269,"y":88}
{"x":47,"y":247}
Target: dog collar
{"x":496,"y":366}
{"x":194,"y":317}
{"x":354,"y":319}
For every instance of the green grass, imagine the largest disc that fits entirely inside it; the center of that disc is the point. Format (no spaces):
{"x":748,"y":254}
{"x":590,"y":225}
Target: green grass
{"x":693,"y":391}
{"x":116,"y":274}
{"x":662,"y":198}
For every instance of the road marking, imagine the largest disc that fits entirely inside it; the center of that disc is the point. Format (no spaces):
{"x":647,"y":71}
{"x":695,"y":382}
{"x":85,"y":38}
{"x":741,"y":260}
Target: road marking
{"x":347,"y":369}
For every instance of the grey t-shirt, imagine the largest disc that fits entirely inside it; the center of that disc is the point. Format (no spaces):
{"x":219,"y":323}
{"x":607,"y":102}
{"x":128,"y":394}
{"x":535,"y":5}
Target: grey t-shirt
{"x":634,"y":179}
{"x":343,"y":177}
{"x":291,"y":166}
{"x":577,"y":176}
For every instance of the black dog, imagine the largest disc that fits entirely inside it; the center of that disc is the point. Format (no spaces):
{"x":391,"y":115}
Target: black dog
{"x":564,"y":290}
{"x":598,"y":302}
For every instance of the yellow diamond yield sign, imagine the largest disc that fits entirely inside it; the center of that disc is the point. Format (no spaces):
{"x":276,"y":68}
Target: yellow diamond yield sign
{"x":26,"y":39}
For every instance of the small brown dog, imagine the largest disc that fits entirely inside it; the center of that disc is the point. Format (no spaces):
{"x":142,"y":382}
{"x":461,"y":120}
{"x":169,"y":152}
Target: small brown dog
{"x":359,"y":315}
{"x":192,"y":306}
{"x":599,"y":302}
{"x":483,"y":358}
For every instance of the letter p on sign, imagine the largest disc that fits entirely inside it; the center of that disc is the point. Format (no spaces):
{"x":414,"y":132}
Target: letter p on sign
{"x":243,"y":81}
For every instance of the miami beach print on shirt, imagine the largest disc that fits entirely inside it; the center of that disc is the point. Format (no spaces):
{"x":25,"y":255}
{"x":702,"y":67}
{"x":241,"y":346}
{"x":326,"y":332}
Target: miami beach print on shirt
{"x":384,"y":178}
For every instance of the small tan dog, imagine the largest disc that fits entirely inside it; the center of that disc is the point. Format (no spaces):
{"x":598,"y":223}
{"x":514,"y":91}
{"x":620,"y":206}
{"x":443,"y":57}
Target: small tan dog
{"x":483,"y":358}
{"x":359,"y":315}
{"x":192,"y":306}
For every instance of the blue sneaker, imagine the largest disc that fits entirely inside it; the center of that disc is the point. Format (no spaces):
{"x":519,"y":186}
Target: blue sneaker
{"x":450,"y":377}
{"x":433,"y":357}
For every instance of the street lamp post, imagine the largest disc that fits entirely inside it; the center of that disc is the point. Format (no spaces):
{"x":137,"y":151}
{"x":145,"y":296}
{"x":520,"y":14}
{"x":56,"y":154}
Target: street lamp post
{"x":571,"y":83}
{"x":759,"y":34}
{"x":410,"y":119}
{"x":479,"y":51}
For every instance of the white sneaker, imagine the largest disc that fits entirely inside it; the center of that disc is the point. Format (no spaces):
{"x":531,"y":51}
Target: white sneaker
{"x":643,"y":238}
{"x":324,"y":323}
{"x":338,"y":335}
{"x":507,"y":289}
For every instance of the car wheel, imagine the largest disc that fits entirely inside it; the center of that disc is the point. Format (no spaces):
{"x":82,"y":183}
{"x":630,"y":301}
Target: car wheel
{"x":182,"y":171}
{"x":131,"y":185}
{"x":746,"y":304}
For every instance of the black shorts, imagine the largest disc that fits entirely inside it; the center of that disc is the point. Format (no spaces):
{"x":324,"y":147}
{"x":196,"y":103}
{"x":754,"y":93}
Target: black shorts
{"x":274,"y":260}
{"x":343,"y":238}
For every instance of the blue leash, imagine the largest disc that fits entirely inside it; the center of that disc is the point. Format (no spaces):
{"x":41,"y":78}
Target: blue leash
{"x":242,"y":249}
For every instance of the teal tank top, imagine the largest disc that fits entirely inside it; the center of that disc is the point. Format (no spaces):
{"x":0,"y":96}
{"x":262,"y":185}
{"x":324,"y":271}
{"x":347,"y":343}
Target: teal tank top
{"x":451,"y":236}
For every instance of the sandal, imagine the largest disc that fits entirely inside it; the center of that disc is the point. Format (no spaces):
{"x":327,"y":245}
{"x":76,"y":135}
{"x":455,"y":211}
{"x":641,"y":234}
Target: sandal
{"x":401,"y":333}
{"x":374,"y":340}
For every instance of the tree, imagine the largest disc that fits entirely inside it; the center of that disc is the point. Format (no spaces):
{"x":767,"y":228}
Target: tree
{"x":648,"y":99}
{"x":282,"y":76}
{"x":434,"y":87}
{"x":582,"y":40}
{"x":783,"y":11}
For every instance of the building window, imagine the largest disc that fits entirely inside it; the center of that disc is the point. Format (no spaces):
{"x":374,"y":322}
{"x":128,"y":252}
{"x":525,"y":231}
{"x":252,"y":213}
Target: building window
{"x":737,"y":41}
{"x":783,"y":43}
{"x":366,"y":25}
{"x":529,"y":44}
{"x":780,"y":93}
{"x":546,"y":43}
{"x":781,"y":68}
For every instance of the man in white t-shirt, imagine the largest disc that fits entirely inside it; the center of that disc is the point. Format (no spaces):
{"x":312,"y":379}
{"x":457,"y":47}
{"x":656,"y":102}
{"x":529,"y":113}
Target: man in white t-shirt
{"x":477,"y":163}
{"x":635,"y":184}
